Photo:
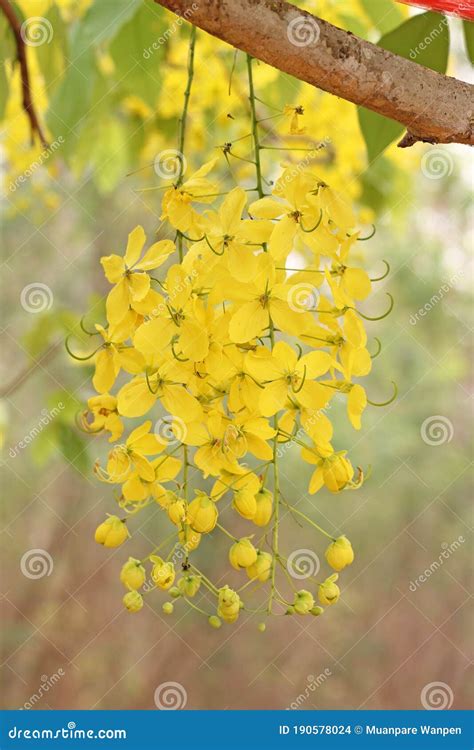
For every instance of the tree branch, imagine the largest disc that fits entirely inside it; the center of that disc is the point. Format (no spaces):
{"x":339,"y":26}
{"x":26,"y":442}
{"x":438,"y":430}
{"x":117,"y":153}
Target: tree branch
{"x":433,"y":107}
{"x":25,"y":76}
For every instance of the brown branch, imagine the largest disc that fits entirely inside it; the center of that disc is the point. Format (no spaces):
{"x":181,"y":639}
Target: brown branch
{"x":25,"y":76}
{"x":433,"y":107}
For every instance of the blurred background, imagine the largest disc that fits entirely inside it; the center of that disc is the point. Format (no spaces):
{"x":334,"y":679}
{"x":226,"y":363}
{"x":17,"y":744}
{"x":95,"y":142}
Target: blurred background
{"x":403,"y":619}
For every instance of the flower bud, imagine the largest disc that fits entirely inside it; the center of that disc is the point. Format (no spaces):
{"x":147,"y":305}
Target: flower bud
{"x":168,"y":608}
{"x":112,"y":532}
{"x":329,"y":592}
{"x":202,"y":514}
{"x":264,"y":501}
{"x":303,"y":602}
{"x":177,"y":511}
{"x":262,"y":627}
{"x":245,"y":503}
{"x":163,"y":573}
{"x":339,"y":554}
{"x":174,"y":592}
{"x":242,"y":554}
{"x":229,"y":604}
{"x":189,"y":585}
{"x":262,"y":567}
{"x":214,"y":622}
{"x":188,"y":538}
{"x":316,"y":611}
{"x":133,"y":574}
{"x":133,"y":601}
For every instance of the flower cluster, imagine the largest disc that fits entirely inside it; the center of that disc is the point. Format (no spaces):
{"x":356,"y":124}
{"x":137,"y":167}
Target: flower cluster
{"x":241,"y":345}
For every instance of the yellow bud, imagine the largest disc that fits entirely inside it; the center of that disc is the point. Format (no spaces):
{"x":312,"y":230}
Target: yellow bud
{"x":177,"y":511}
{"x":303,"y":602}
{"x":245,"y":503}
{"x":242,"y":554}
{"x":133,"y":601}
{"x":133,"y":574}
{"x":262,"y":567}
{"x":202,"y":514}
{"x":112,"y":532}
{"x":229,"y":604}
{"x":168,"y":608}
{"x":316,"y":611}
{"x":339,"y":554}
{"x":189,"y":539}
{"x":329,"y":592}
{"x":264,"y":501}
{"x":163,"y":573}
{"x":214,"y":622}
{"x":189,"y":585}
{"x":262,"y":627}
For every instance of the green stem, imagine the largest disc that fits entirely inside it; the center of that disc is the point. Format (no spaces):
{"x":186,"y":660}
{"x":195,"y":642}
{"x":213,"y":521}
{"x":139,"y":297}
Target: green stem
{"x":183,"y":123}
{"x":308,"y":520}
{"x":256,"y":142}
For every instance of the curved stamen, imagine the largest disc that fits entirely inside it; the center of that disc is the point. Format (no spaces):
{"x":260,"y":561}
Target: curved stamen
{"x":369,"y":237}
{"x":149,"y":384}
{"x":74,"y":356}
{"x":177,"y":356}
{"x":379,"y":317}
{"x":390,"y":400}
{"x":297,"y":390}
{"x":83,"y":328}
{"x":308,"y":231}
{"x":379,"y":344}
{"x":384,"y":276}
{"x":212,"y":248}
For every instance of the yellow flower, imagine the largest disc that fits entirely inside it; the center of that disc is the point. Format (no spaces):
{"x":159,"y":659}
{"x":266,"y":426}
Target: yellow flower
{"x":242,"y":554}
{"x":334,"y":470}
{"x":262,"y":567}
{"x":129,"y":274}
{"x":103,"y":410}
{"x":113,"y":356}
{"x":189,"y":585}
{"x":202,"y":514}
{"x":123,"y":460}
{"x":303,"y":602}
{"x":339,"y":554}
{"x":229,"y":604}
{"x":264,"y":501}
{"x":112,"y":532}
{"x":163,"y":573}
{"x":177,"y":201}
{"x":133,"y":601}
{"x":133,"y":574}
{"x":329,"y":592}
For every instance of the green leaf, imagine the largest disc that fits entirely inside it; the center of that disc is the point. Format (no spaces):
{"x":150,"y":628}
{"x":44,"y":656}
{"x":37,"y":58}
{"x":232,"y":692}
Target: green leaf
{"x":72,"y":447}
{"x":52,"y":56}
{"x":384,"y":14}
{"x":71,"y":101}
{"x":3,"y":89}
{"x":101,"y":22}
{"x":468,"y":28}
{"x":138,"y":51}
{"x":423,"y":39}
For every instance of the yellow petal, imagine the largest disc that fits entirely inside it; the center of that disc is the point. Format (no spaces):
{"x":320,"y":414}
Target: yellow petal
{"x":114,"y":267}
{"x":136,"y":241}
